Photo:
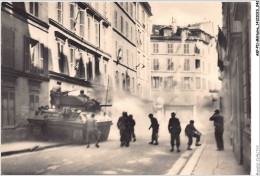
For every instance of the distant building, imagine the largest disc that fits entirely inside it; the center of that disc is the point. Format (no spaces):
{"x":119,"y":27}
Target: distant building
{"x":80,"y":52}
{"x":235,"y":62}
{"x":143,"y":14}
{"x":184,"y":70}
{"x":130,"y":37}
{"x":24,"y":65}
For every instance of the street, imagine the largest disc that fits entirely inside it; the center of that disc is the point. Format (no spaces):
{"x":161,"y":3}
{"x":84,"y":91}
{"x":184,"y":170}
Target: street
{"x":140,"y":158}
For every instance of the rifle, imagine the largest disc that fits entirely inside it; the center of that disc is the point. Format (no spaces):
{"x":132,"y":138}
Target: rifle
{"x":67,"y":92}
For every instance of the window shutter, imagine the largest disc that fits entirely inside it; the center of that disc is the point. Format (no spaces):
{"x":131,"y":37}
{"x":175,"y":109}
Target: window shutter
{"x":26,"y":54}
{"x":45,"y":61}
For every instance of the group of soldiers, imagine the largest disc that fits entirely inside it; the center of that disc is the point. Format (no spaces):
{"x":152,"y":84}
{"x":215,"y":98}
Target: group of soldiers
{"x":191,"y":132}
{"x":126,"y":125}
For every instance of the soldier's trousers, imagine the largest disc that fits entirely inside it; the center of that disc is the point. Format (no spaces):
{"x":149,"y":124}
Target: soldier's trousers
{"x":132,"y":133}
{"x":175,"y":138}
{"x":155,"y":135}
{"x":125,"y":136}
{"x":219,"y":138}
{"x":191,"y":136}
{"x":90,"y":134}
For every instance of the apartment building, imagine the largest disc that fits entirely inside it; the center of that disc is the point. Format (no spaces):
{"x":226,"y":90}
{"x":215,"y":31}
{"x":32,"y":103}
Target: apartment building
{"x":24,"y":65}
{"x":80,"y":53}
{"x":184,"y":70}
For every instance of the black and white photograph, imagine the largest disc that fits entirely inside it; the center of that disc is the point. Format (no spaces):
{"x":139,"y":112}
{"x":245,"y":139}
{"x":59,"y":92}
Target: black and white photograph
{"x":130,"y":88}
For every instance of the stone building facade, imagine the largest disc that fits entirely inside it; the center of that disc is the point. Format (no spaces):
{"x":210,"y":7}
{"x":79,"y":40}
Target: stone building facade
{"x":236,"y":76}
{"x":184,"y":70}
{"x":80,"y":55}
{"x":24,"y":65}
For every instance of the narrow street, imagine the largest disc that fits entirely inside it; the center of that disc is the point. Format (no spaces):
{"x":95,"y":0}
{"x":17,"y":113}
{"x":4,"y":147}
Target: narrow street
{"x":140,"y":158}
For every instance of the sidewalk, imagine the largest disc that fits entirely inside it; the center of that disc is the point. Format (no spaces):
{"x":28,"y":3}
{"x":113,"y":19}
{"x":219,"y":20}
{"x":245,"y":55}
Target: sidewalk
{"x":28,"y":146}
{"x":208,"y":161}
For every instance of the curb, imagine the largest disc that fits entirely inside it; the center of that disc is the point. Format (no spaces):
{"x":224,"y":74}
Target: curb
{"x":33,"y":149}
{"x":192,"y":162}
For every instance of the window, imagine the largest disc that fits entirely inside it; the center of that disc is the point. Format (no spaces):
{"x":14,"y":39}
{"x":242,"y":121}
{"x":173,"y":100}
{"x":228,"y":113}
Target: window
{"x":131,"y":33}
{"x":126,"y":27}
{"x":131,"y":9}
{"x":72,"y":61}
{"x":168,"y":82}
{"x":60,"y":12}
{"x":170,"y":48}
{"x":115,"y":19}
{"x":8,"y":108}
{"x":133,"y":85}
{"x":155,"y":64}
{"x":196,"y":49}
{"x":89,"y":27}
{"x":63,"y":65}
{"x":187,"y":83}
{"x":137,"y":11}
{"x":82,"y":23}
{"x":186,"y":48}
{"x":97,"y":33}
{"x":104,"y":37}
{"x":33,"y":102}
{"x":198,"y":84}
{"x":186,"y":64}
{"x":72,"y":16}
{"x":116,"y":54}
{"x":156,"y":82}
{"x":122,"y":25}
{"x":197,"y":64}
{"x":117,"y":79}
{"x":127,"y":57}
{"x":80,"y":68}
{"x":170,"y":64}
{"x":34,"y":8}
{"x":126,"y":6}
{"x":203,"y":83}
{"x":105,"y":9}
{"x":155,"y":48}
{"x":123,"y":81}
{"x":8,"y":50}
{"x":34,"y":54}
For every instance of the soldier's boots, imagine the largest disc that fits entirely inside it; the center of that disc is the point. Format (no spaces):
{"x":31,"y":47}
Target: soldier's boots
{"x":122,"y":144}
{"x":134,"y":139}
{"x":178,"y":150}
{"x":197,"y":144}
{"x":189,"y":148}
{"x":156,"y":143}
{"x":97,"y":145}
{"x":88,"y":146}
{"x":172,"y":150}
{"x":151,"y":142}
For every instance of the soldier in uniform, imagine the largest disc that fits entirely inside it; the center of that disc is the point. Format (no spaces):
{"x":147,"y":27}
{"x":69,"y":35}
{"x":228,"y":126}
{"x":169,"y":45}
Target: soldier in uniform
{"x":174,"y":128}
{"x":55,"y":92}
{"x":92,"y":130}
{"x":132,"y":128}
{"x":219,"y":129}
{"x":121,"y":124}
{"x":155,"y":126}
{"x":82,"y":94}
{"x":191,"y":132}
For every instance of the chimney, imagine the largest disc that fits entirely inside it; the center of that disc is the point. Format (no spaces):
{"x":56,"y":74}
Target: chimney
{"x":174,"y":26}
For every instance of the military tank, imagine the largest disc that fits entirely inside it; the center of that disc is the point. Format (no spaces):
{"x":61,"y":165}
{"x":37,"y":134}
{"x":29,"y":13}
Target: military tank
{"x":65,"y":121}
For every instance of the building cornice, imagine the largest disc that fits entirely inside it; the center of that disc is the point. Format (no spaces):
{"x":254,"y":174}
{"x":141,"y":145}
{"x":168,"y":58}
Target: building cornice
{"x":125,"y":12}
{"x":25,"y":14}
{"x":119,"y":33}
{"x":93,"y":47}
{"x":66,"y":78}
{"x":87,"y":6}
{"x":5,"y":71}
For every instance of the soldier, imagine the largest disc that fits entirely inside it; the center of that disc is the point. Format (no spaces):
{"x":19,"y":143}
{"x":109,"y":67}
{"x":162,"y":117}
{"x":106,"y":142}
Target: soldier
{"x":121,"y":124}
{"x":55,"y":92}
{"x":219,"y":129}
{"x":191,"y":131}
{"x":155,"y":126}
{"x":132,"y":126}
{"x":174,"y":128}
{"x":82,"y":94}
{"x":92,"y":130}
